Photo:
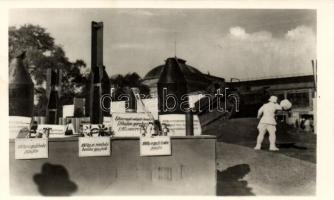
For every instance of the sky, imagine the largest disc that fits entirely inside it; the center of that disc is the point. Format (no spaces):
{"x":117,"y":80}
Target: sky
{"x":238,"y":43}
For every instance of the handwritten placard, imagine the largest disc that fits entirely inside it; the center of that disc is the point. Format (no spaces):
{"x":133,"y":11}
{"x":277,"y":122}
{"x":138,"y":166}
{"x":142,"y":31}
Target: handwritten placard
{"x":68,"y":111}
{"x":33,"y":148}
{"x":129,"y":124}
{"x":176,"y":123}
{"x":155,"y":146}
{"x":117,"y":107}
{"x":94,"y":146}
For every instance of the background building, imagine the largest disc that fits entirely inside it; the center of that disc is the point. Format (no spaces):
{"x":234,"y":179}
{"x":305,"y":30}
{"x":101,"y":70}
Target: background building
{"x":196,"y":80}
{"x":299,"y":90}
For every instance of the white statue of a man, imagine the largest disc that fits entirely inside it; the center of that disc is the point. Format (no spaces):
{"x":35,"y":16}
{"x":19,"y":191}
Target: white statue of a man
{"x":268,"y":123}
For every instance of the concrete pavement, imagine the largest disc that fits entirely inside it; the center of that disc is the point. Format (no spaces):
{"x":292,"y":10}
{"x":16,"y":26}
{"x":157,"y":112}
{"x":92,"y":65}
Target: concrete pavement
{"x":244,"y":171}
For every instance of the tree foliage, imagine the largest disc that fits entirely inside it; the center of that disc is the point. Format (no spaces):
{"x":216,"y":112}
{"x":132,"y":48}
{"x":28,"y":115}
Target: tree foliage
{"x":121,"y":84}
{"x":42,"y":53}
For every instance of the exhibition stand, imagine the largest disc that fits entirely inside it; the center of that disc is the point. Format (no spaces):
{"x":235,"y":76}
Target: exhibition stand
{"x":190,"y":169}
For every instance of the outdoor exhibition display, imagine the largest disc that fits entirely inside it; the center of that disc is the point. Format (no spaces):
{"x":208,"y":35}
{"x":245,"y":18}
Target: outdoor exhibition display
{"x":162,"y":100}
{"x":157,"y":135}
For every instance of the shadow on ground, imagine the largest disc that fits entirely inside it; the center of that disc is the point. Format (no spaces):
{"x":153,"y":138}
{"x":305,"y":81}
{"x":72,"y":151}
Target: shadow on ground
{"x":230,"y":183}
{"x":54,"y":181}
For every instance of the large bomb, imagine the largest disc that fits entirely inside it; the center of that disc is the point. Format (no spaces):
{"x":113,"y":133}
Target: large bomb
{"x":99,"y":86}
{"x":21,"y":89}
{"x":171,"y":88}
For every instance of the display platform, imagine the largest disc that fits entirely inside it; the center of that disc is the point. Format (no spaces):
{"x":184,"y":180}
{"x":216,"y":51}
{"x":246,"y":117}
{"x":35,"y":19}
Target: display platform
{"x":190,"y":170}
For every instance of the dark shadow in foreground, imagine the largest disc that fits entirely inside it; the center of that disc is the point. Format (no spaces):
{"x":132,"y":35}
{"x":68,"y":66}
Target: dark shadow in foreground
{"x":291,"y":145}
{"x":54,"y":181}
{"x":229,"y":181}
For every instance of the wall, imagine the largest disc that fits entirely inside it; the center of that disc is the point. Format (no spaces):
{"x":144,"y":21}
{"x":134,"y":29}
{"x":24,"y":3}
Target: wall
{"x":190,"y":170}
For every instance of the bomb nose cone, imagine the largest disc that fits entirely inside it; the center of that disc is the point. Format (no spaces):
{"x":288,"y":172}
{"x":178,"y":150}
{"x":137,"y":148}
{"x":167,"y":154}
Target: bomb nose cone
{"x":18,"y":73}
{"x":173,"y":84}
{"x":21,"y":89}
{"x":97,"y":24}
{"x":171,"y":72}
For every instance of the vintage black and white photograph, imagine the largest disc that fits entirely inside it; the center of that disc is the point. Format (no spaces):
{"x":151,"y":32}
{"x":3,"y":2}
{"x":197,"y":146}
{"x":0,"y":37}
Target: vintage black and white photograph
{"x":162,"y":101}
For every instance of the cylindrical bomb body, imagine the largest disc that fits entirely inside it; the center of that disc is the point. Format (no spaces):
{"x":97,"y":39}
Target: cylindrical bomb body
{"x":95,"y":94}
{"x":21,"y":89}
{"x":106,"y":92}
{"x":52,"y":111}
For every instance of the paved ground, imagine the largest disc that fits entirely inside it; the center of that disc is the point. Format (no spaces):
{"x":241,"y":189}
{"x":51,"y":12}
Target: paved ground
{"x":243,"y":131}
{"x":244,"y":171}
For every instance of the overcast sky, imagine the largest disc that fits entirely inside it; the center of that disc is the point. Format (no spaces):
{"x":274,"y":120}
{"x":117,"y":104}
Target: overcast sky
{"x":245,"y":44}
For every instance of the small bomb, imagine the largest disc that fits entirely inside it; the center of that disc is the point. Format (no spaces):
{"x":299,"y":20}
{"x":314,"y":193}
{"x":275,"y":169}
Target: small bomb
{"x":53,"y":80}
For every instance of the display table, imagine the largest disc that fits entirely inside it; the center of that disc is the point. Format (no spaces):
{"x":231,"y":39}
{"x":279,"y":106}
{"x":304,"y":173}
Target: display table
{"x":190,"y":170}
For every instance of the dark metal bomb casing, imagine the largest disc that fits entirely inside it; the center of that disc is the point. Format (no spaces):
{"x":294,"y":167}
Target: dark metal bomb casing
{"x":21,"y":89}
{"x":53,"y":85}
{"x":189,"y":123}
{"x":106,"y":90}
{"x":171,"y":83}
{"x":99,"y":80}
{"x":98,"y":87}
{"x":95,"y":92}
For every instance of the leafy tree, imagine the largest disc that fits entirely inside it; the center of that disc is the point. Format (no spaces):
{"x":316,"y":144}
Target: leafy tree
{"x":122,"y":83}
{"x":42,"y":53}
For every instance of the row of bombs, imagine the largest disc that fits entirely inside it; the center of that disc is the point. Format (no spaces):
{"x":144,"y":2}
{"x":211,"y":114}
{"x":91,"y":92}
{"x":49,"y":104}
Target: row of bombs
{"x":149,"y":130}
{"x":21,"y":87}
